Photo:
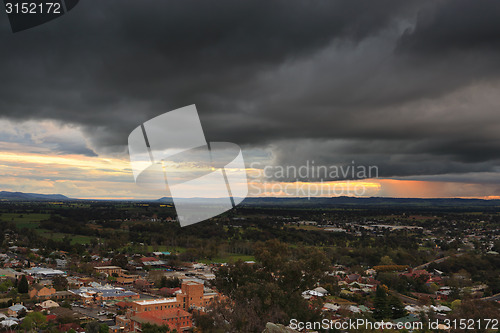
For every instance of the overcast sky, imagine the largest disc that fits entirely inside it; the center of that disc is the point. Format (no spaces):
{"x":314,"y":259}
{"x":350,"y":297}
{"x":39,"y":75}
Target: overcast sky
{"x":409,"y":86}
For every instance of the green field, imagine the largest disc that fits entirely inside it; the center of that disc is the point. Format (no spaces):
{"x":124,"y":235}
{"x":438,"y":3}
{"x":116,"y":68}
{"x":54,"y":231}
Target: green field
{"x":228,"y":258}
{"x":164,"y":248}
{"x":32,"y":221}
{"x":25,"y":220}
{"x":75,"y":239}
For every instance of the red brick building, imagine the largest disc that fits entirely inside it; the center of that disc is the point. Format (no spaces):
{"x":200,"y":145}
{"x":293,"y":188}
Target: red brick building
{"x":42,"y":292}
{"x":192,"y":294}
{"x":161,"y":311}
{"x":174,"y":318}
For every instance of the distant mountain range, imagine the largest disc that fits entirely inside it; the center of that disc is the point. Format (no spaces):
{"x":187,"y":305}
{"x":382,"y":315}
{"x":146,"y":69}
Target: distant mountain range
{"x":352,"y":202}
{"x":344,"y":202}
{"x":371,"y":202}
{"x":20,"y":196}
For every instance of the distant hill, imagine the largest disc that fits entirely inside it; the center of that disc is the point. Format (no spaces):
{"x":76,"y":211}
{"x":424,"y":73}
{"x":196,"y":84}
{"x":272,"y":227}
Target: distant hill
{"x":315,"y":202}
{"x":353,"y":202}
{"x":165,"y":200}
{"x":371,"y":202}
{"x":20,"y":196}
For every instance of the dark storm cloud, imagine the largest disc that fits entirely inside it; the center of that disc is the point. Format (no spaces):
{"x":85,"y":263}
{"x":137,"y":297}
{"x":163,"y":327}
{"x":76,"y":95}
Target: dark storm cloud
{"x":159,"y":51}
{"x":454,"y":26}
{"x":409,"y":85}
{"x":103,"y":64}
{"x":391,"y":158}
{"x":65,"y":146}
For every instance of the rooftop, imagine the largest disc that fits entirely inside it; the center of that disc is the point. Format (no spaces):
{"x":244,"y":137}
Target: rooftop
{"x":156,"y":301}
{"x":43,"y":271}
{"x":104,"y":291}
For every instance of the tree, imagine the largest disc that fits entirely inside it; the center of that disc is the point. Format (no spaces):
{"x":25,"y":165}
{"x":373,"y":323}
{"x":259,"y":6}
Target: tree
{"x":103,"y":328}
{"x":386,"y":260}
{"x":66,"y":305}
{"x":204,"y":322}
{"x":5,"y":285}
{"x":456,"y":304}
{"x":23,"y":286}
{"x":21,"y":313}
{"x":396,"y":307}
{"x":34,"y":320}
{"x":381,"y":304}
{"x":152,"y":328}
{"x":433,"y":287}
{"x":476,"y":310}
{"x":120,"y":260}
{"x":141,"y":284}
{"x":92,"y":327}
{"x":168,"y":282}
{"x":269,"y":290}
{"x":60,"y":283}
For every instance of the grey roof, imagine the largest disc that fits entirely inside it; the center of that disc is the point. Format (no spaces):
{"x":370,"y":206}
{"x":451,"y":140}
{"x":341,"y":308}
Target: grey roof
{"x":104,"y":291}
{"x":17,"y":307}
{"x":42,"y":271}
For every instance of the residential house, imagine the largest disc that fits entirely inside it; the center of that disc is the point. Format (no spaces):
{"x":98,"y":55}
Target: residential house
{"x":126,"y":279}
{"x":416,"y":273}
{"x":109,"y":270}
{"x":15,"y":309}
{"x":74,"y":282}
{"x":48,"y":304}
{"x":41,"y":292}
{"x":353,"y":278}
{"x":61,"y":263}
{"x":152,"y":261}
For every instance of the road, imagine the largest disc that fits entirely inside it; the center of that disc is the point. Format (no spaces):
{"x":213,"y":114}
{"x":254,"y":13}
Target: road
{"x":495,"y":298}
{"x":404,"y":298}
{"x":437,"y":261}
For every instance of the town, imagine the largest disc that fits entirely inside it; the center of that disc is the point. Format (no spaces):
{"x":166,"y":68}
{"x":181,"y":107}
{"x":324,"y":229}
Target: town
{"x":106,"y":266}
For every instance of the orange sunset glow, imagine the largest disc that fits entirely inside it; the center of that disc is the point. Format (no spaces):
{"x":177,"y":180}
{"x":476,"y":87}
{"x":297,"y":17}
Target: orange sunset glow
{"x":93,"y":177}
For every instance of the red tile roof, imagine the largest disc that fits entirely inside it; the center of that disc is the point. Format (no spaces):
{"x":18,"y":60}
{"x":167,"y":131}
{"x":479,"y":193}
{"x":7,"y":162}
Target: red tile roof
{"x":149,"y":259}
{"x":124,"y":304}
{"x":51,"y":317}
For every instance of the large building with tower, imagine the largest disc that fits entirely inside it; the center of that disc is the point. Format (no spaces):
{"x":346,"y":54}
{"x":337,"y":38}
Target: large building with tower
{"x":171,"y":311}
